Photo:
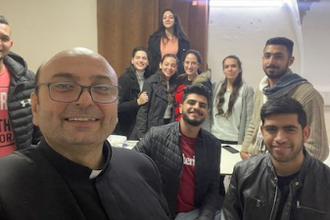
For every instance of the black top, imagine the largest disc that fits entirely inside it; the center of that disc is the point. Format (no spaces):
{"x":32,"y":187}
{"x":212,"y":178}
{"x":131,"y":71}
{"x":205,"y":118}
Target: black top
{"x":82,"y":187}
{"x":48,"y":186}
{"x":129,"y":91}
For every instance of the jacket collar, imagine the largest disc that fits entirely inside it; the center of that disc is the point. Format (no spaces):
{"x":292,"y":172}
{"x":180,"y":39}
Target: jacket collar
{"x":15,"y":65}
{"x":308,"y":161}
{"x":69,"y":168}
{"x":178,"y":131}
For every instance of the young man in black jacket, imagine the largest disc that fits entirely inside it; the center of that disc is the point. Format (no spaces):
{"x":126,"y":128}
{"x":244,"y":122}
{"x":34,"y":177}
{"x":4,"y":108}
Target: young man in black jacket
{"x":188,"y":159}
{"x":287,"y":182}
{"x":16,"y":84}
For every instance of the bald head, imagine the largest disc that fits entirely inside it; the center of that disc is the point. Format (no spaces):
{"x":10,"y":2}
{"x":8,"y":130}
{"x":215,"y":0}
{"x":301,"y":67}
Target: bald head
{"x":75,"y":57}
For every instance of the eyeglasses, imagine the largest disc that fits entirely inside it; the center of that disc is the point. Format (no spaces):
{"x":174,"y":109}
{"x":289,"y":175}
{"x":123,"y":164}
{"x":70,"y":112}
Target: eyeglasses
{"x":70,"y":92}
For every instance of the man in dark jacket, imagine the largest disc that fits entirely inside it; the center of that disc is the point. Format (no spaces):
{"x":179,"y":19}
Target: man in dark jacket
{"x":188,"y":159}
{"x":287,"y":183}
{"x":16,"y":84}
{"x":74,"y":173}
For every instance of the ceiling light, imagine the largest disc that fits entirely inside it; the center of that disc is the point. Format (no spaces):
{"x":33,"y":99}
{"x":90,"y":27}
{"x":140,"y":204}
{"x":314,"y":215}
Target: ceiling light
{"x":246,"y":3}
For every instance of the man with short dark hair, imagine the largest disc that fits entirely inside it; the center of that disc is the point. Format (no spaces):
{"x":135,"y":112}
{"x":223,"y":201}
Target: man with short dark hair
{"x":188,"y":159}
{"x":74,"y":173}
{"x":281,"y":81}
{"x":286,"y":183}
{"x":16,"y":84}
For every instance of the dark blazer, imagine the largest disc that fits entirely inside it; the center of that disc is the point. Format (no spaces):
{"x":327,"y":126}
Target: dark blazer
{"x":128,"y":107}
{"x":32,"y":188}
{"x":155,"y":55}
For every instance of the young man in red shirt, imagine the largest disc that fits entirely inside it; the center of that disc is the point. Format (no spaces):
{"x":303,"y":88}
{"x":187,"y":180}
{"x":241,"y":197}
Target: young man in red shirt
{"x":188,"y":159}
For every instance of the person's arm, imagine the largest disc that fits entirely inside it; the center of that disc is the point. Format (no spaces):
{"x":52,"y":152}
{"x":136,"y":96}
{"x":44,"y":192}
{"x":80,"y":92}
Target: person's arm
{"x":154,"y":181}
{"x":232,"y":209}
{"x":124,"y":104}
{"x":248,"y":109}
{"x":247,"y":141}
{"x":154,"y":54}
{"x":317,"y":143}
{"x":212,"y":200}
{"x":142,"y":115}
{"x":145,"y":144}
{"x":253,"y":126}
{"x":249,"y":106}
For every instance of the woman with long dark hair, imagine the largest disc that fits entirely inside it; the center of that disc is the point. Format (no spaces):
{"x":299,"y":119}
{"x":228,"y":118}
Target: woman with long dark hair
{"x":232,"y":103}
{"x":131,"y":96}
{"x":168,"y":39}
{"x":159,"y":87}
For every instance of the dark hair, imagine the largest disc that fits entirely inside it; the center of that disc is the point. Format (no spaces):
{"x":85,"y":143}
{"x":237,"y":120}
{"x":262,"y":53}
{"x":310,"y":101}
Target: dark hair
{"x":281,"y":41}
{"x":283,"y":105}
{"x":139,"y":48}
{"x":177,"y":30}
{"x":3,"y":20}
{"x":199,"y":89}
{"x":236,"y":86}
{"x":172,"y":80}
{"x":197,"y":55}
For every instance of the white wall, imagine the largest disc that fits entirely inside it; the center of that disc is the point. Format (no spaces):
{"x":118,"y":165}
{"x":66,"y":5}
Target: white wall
{"x":42,"y":28}
{"x":316,"y":35}
{"x":244,"y":31}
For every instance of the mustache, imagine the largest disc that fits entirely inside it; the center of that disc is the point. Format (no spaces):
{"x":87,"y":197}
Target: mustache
{"x":272,"y":66}
{"x":196,"y":111}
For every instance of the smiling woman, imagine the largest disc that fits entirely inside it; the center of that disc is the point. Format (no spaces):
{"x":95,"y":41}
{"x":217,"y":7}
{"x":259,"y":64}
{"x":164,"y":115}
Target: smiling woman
{"x":169,"y":38}
{"x":159,"y":88}
{"x":131,"y":96}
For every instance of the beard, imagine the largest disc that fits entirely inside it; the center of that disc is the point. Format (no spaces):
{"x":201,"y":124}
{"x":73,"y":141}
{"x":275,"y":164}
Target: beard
{"x":278,"y":75}
{"x":192,"y":122}
{"x":276,"y":72}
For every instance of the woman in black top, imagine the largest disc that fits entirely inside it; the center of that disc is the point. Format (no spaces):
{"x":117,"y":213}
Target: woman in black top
{"x":131,"y":96}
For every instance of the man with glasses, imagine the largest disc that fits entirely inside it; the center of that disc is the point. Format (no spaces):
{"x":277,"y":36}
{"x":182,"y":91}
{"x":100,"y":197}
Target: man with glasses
{"x":74,"y":173}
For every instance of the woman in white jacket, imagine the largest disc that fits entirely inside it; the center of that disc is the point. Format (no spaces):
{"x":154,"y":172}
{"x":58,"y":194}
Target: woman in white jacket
{"x":232,"y":103}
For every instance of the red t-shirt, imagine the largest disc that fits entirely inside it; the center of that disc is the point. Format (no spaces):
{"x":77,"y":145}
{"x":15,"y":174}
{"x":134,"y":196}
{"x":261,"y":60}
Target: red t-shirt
{"x":186,"y":195}
{"x":7,"y":140}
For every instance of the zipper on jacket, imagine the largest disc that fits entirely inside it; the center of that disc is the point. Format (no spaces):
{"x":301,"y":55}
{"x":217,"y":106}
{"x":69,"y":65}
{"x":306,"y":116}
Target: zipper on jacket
{"x":274,"y":203}
{"x":308,"y":208}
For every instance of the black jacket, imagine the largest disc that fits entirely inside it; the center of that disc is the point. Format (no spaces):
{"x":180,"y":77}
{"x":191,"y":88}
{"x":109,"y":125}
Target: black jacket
{"x":34,"y":186}
{"x":19,"y":103}
{"x":253,"y":192}
{"x":155,"y":55}
{"x":128,"y":107}
{"x":162,"y":144}
{"x":152,"y":113}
